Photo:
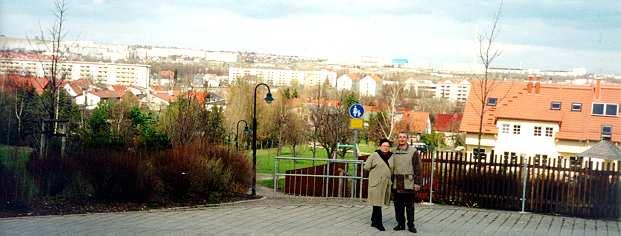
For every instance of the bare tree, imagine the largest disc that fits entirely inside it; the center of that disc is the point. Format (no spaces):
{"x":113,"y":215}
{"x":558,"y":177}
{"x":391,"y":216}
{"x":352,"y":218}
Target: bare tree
{"x":282,"y":114}
{"x":388,"y":122}
{"x":487,"y":55}
{"x":19,"y":109}
{"x":295,"y":131}
{"x":53,"y":38}
{"x":331,"y":129}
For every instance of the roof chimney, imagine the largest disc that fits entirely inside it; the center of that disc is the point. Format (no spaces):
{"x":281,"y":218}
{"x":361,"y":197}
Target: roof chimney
{"x":597,"y":89}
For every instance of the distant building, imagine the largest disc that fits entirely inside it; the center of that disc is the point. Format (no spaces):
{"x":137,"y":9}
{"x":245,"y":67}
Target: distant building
{"x":345,"y":81}
{"x":281,"y":77}
{"x":448,"y":125}
{"x":413,"y":122}
{"x":368,"y":86}
{"x":453,"y":90}
{"x":104,"y":73}
{"x":91,"y":98}
{"x":13,"y":82}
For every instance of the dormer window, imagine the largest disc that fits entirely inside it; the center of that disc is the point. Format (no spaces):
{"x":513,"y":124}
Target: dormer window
{"x":492,"y":101}
{"x":555,"y":106}
{"x":606,"y":132}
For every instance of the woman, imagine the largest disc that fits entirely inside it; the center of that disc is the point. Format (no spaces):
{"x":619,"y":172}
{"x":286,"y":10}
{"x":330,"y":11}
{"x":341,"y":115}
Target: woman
{"x":379,"y":181}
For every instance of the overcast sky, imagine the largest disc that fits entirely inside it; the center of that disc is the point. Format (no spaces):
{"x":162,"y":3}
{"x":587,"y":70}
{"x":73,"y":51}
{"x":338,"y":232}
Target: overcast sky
{"x":543,"y":34}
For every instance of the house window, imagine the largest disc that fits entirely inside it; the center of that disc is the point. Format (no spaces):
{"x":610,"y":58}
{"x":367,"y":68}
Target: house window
{"x":541,"y":159}
{"x":479,"y":153}
{"x":555,"y":106}
{"x":611,"y":109}
{"x":516,"y":129}
{"x":577,"y":107}
{"x":549,"y":131}
{"x":575,"y":162}
{"x":605,"y":109}
{"x":606,"y":132}
{"x":512,"y":156}
{"x":537,"y":130}
{"x":505,"y":128}
{"x":492,"y":101}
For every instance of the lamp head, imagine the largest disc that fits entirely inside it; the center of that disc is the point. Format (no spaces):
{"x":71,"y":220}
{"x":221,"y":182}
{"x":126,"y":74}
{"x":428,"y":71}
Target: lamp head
{"x":269,"y":98}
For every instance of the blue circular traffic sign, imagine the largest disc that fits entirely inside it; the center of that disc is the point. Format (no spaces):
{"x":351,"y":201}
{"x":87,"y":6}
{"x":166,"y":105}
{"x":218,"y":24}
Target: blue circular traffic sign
{"x":356,"y":110}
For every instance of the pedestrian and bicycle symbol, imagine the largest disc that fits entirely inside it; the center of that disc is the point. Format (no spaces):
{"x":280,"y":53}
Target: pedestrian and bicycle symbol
{"x":356,"y":110}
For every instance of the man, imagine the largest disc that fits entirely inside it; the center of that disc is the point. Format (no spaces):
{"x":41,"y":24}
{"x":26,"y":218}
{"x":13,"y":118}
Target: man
{"x":405,"y":164}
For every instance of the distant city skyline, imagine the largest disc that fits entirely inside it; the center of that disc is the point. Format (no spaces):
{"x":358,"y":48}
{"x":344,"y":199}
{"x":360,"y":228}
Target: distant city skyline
{"x":543,"y":34}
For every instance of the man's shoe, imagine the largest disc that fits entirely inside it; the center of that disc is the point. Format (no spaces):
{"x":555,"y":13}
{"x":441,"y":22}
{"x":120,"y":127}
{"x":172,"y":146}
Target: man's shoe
{"x":412,"y":229}
{"x":398,"y":228}
{"x":379,"y":227}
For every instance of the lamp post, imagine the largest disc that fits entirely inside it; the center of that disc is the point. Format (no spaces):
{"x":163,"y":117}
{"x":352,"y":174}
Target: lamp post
{"x":237,"y":132}
{"x":268,"y":98}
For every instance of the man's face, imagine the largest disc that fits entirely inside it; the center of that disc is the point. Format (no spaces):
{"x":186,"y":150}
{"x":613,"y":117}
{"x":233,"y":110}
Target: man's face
{"x":403,"y":139}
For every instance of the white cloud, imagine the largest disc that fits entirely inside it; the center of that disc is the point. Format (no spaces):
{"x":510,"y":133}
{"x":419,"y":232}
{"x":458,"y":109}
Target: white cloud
{"x":342,"y":29}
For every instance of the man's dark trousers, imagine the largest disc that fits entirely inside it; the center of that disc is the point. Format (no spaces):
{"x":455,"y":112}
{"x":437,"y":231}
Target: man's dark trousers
{"x":404,"y":202}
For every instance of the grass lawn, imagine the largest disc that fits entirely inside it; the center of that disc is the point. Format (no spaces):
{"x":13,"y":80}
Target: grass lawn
{"x":270,"y":183}
{"x":14,"y":158}
{"x":265,"y":157}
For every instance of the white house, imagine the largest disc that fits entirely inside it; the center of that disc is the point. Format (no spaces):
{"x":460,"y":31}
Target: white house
{"x":367,"y":86}
{"x":344,"y":82}
{"x":90,"y":99}
{"x":543,"y":120}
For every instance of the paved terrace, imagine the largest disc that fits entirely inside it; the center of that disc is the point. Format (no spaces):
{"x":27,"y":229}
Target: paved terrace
{"x":303,"y":216}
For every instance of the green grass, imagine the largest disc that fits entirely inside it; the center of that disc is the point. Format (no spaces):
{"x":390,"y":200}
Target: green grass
{"x":265,"y":157}
{"x":270,"y":183}
{"x":14,"y":158}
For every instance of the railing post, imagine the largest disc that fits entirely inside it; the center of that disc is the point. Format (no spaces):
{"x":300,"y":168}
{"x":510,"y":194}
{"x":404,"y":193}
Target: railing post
{"x":361,"y":179}
{"x":275,"y":175}
{"x":431,"y":177}
{"x":524,"y":180}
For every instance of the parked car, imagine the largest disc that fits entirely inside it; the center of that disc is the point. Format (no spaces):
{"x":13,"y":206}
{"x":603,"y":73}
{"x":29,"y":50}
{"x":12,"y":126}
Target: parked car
{"x":420,"y":146}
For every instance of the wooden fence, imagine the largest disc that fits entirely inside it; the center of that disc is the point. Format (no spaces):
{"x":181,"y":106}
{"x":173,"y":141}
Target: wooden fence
{"x":553,"y":185}
{"x":496,"y":182}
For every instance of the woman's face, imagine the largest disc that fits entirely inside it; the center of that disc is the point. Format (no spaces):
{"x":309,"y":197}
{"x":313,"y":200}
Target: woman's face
{"x":385,"y":147}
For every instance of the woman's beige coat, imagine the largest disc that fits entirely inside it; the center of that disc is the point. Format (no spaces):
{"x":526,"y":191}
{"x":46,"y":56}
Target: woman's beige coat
{"x":379,"y":180}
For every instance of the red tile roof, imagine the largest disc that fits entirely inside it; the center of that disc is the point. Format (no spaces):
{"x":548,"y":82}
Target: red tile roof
{"x":24,"y":56}
{"x":78,"y":85}
{"x":167,"y":74}
{"x":18,"y":81}
{"x":413,"y":121}
{"x":323,"y":102}
{"x":106,"y":94}
{"x":516,"y":102}
{"x":447,"y":122}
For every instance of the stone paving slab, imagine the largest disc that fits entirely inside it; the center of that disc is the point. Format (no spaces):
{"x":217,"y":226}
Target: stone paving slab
{"x":281,"y":215}
{"x":258,"y":218}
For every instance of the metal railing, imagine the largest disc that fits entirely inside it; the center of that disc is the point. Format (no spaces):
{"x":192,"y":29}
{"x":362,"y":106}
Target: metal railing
{"x":319,"y":177}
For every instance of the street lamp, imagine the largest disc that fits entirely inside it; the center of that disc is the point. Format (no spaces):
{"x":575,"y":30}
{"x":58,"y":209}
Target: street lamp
{"x":246,"y":130}
{"x":268,"y":98}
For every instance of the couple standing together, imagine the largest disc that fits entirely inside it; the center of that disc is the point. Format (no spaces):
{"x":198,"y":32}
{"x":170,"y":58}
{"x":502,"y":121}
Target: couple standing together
{"x":394,"y":172}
